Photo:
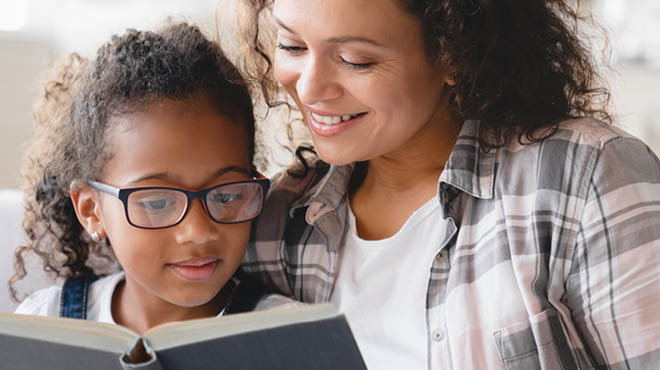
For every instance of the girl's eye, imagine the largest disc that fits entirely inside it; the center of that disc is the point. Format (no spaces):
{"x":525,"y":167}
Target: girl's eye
{"x":290,"y":49}
{"x":358,"y":66}
{"x":157,"y":204}
{"x":226,"y":198}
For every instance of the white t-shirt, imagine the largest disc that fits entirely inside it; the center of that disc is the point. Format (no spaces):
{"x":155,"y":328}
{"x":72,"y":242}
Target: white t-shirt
{"x":381,"y":288}
{"x":46,"y":302}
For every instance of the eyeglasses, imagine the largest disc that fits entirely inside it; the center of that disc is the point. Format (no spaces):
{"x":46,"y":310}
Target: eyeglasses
{"x":156,"y":207}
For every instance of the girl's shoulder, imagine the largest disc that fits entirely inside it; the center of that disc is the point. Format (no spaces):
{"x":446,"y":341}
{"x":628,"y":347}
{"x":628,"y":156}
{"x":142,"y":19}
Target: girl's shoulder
{"x":44,"y":302}
{"x":47,"y":301}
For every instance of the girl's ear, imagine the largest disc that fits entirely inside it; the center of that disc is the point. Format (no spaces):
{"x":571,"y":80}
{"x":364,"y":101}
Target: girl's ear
{"x":88,"y":210}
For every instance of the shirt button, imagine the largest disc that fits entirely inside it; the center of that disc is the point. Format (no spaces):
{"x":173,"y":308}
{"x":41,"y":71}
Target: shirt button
{"x":438,"y":335}
{"x":440,"y":255}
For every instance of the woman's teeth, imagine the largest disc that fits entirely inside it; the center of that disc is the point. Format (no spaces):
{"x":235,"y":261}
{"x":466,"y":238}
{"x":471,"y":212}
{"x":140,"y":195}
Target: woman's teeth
{"x":333,"y":120}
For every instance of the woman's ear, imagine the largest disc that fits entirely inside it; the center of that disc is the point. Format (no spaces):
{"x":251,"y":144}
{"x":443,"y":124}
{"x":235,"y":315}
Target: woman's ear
{"x":449,"y":73}
{"x":88,"y":210}
{"x":446,"y":70}
{"x":449,"y":79}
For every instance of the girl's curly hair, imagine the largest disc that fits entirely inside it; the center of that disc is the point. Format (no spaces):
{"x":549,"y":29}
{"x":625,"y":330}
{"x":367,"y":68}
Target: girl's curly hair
{"x":521,"y":67}
{"x":74,"y":122}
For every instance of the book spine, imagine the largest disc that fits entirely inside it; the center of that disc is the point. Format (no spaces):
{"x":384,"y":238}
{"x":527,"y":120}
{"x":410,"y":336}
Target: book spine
{"x":140,"y":356}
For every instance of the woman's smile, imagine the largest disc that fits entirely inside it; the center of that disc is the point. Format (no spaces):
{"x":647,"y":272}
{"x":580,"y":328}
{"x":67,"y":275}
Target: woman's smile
{"x":331,"y":124}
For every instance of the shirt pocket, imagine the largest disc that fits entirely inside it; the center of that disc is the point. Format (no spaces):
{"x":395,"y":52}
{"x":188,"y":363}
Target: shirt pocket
{"x":538,"y":343}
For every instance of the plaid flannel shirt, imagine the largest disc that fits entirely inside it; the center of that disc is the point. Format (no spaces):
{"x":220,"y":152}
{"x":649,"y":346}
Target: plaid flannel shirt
{"x":551,"y":258}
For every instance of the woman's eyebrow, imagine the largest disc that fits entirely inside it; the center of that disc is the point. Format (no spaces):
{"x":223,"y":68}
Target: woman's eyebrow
{"x":278,"y":21}
{"x":335,"y":40}
{"x":348,"y":39}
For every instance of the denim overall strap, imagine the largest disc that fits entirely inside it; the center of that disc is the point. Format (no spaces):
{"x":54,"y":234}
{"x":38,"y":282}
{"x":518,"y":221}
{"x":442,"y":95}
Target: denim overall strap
{"x":73,"y":300}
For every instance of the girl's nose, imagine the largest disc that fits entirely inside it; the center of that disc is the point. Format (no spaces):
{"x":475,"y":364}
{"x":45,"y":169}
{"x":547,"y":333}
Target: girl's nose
{"x":317,"y":83}
{"x":196,"y":227}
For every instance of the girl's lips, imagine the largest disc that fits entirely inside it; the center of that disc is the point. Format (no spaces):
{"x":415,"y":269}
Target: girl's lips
{"x":195,"y":269}
{"x":328,"y":130}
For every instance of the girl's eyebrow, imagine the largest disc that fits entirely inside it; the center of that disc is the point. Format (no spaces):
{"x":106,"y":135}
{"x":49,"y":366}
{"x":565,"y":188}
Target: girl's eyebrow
{"x":336,"y":40}
{"x":239,"y":169}
{"x":174,"y":178}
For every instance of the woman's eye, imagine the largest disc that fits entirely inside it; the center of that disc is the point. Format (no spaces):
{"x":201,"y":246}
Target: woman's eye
{"x":358,"y":66}
{"x":226,"y":198}
{"x":290,"y":49}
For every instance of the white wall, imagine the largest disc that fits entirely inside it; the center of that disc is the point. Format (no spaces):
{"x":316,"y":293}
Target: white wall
{"x":20,"y":63}
{"x":636,"y":103}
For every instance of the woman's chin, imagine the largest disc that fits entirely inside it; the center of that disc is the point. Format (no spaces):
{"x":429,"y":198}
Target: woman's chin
{"x":335,"y":158}
{"x":337,"y":154}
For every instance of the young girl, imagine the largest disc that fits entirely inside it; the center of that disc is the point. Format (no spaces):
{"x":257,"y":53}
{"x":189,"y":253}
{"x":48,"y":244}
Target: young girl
{"x":143,"y":156}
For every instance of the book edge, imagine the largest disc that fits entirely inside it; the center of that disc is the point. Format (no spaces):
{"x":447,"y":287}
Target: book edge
{"x":80,"y":333}
{"x":194,"y":331}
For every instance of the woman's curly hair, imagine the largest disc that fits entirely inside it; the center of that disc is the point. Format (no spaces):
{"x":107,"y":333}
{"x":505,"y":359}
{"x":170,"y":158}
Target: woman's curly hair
{"x":74,"y":124}
{"x":521,"y":67}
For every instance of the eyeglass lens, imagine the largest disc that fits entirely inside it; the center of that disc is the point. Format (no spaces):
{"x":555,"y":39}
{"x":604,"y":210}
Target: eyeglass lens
{"x":165,"y":207}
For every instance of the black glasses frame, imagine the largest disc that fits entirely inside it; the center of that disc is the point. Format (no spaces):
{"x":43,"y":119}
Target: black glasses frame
{"x":123,"y":194}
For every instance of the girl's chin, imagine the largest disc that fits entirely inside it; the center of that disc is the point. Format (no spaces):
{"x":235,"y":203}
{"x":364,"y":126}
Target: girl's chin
{"x":195,"y":299}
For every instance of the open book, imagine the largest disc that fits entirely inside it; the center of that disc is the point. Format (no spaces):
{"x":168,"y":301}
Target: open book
{"x":309,"y":337}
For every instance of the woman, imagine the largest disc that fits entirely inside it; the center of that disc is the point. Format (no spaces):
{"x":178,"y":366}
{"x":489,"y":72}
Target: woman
{"x":472,"y":208}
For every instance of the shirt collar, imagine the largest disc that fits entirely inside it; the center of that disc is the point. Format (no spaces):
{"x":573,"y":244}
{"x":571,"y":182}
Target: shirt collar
{"x":468,"y":168}
{"x":327,"y":194}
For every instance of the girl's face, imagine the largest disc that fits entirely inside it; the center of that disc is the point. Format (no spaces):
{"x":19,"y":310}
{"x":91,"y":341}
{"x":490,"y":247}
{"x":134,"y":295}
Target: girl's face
{"x":187,"y":145}
{"x":358,"y":72}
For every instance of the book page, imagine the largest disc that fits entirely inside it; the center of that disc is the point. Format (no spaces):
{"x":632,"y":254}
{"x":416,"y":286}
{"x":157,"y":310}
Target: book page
{"x":174,"y":334}
{"x":80,"y":333}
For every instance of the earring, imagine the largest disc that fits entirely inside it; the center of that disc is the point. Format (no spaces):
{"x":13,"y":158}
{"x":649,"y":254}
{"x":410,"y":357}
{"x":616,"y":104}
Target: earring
{"x":95,"y":236}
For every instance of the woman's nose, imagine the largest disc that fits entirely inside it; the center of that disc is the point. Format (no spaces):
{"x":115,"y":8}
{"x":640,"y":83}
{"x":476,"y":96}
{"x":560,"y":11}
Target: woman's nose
{"x":197,"y":227}
{"x":317,"y":83}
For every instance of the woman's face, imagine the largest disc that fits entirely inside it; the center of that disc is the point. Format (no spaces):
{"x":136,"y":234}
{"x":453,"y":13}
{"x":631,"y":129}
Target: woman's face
{"x":358,"y":72}
{"x":186,"y":145}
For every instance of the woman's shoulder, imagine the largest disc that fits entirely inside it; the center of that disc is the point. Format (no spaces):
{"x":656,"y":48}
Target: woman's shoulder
{"x":580,"y":152}
{"x":588,"y":132}
{"x":582,"y":142}
{"x":44,"y":302}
